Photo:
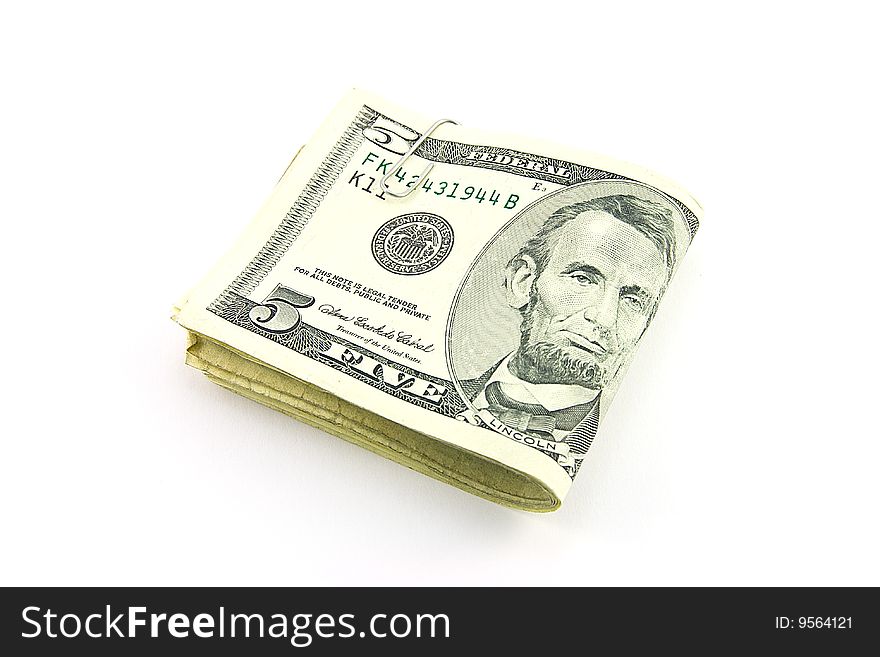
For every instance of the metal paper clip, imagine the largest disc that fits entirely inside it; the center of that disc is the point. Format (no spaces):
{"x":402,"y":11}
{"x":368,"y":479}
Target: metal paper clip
{"x":383,"y":183}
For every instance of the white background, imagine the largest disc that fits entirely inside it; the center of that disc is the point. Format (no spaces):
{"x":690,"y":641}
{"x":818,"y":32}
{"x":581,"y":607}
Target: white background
{"x":137,"y":141}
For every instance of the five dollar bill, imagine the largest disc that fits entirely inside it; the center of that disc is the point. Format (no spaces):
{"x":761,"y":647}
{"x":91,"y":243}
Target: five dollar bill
{"x":463,"y":303}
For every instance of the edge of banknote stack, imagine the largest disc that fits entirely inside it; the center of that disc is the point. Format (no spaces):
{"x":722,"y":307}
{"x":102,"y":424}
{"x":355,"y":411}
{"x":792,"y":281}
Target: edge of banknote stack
{"x":469,"y":471}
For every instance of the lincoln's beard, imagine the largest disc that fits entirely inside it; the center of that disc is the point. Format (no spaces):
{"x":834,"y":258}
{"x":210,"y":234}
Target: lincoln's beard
{"x":545,"y":362}
{"x":548,"y":362}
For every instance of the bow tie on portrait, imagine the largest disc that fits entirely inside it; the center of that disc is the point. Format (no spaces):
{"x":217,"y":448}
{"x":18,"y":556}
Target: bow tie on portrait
{"x":533,"y":418}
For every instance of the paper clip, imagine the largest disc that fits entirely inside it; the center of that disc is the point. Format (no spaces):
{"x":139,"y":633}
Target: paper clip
{"x":383,"y":183}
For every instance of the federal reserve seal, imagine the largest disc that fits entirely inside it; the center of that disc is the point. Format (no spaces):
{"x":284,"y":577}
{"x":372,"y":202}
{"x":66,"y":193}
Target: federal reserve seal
{"x":413,"y":243}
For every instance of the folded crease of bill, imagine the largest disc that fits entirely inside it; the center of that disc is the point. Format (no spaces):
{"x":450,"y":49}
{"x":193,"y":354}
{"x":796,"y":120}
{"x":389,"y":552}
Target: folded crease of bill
{"x":463,"y":469}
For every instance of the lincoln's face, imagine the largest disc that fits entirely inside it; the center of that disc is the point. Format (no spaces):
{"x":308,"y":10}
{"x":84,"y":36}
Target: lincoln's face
{"x":591,"y":303}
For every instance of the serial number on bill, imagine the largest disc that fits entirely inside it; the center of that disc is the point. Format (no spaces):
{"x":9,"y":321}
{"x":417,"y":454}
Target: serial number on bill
{"x":377,"y":167}
{"x":814,"y":622}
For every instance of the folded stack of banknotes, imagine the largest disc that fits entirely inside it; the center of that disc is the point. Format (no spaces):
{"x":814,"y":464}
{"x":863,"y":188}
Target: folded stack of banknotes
{"x":460,"y":302}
